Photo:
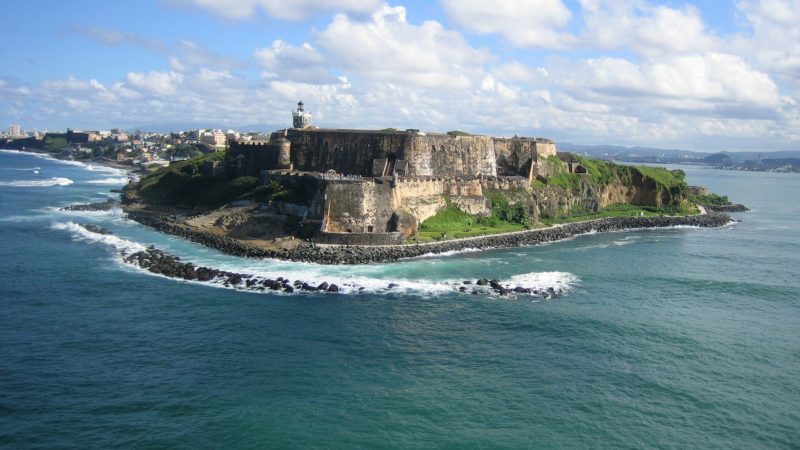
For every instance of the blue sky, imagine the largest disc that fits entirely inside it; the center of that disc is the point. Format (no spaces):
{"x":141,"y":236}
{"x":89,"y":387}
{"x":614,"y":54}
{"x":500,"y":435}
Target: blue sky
{"x":710,"y":75}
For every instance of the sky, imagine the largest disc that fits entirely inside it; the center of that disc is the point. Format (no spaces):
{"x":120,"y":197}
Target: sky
{"x":696,"y":75}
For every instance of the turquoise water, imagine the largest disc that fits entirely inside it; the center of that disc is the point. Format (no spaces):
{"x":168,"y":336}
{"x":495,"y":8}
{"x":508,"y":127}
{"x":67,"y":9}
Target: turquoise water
{"x":665,"y":338}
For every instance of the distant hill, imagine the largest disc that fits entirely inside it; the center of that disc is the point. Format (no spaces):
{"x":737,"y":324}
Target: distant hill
{"x":718,"y":158}
{"x":632,"y":153}
{"x":651,"y":154}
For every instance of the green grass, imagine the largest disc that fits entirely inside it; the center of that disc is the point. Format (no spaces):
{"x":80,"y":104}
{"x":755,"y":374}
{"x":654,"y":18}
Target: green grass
{"x":619,"y":210}
{"x":601,"y":172}
{"x":452,"y":223}
{"x":54,"y":144}
{"x":183,"y":184}
{"x":710,"y":199}
{"x":662,"y":176}
{"x":568,"y":181}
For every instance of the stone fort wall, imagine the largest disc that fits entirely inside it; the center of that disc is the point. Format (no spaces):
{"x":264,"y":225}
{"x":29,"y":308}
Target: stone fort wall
{"x":376,"y":153}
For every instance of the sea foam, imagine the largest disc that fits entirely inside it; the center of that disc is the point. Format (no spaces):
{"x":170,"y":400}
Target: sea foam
{"x":109,"y":181}
{"x":82,"y":234}
{"x":55,"y":181}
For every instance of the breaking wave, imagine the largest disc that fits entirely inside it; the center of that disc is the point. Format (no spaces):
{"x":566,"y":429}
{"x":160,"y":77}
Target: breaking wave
{"x":55,"y":181}
{"x":82,"y":234}
{"x":348,"y":281}
{"x":109,"y":181}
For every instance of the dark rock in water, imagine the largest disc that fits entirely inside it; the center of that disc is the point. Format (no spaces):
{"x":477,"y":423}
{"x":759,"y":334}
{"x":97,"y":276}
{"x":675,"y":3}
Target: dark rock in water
{"x":101,"y":206}
{"x":95,"y":229}
{"x":323,"y":286}
{"x":392,"y":285}
{"x":462,"y":289}
{"x":467,"y":281}
{"x":297,"y":283}
{"x":726,"y":208}
{"x":504,"y":292}
{"x":519,"y":289}
{"x":308,"y":287}
{"x":288,"y":289}
{"x":333,"y":288}
{"x":482,"y":282}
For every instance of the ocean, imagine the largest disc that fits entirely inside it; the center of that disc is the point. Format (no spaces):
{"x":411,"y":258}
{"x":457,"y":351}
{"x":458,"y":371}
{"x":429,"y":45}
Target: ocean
{"x":670,"y":338}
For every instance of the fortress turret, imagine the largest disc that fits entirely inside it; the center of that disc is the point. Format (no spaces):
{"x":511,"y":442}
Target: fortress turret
{"x":301,"y":118}
{"x":284,"y":148}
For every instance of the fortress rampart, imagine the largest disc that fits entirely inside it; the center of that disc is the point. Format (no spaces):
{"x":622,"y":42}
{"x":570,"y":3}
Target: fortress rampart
{"x":379,"y":154}
{"x":364,"y":183}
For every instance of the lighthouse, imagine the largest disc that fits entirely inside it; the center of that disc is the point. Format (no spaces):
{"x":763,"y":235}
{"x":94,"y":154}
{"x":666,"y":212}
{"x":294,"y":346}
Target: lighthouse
{"x":301,"y":118}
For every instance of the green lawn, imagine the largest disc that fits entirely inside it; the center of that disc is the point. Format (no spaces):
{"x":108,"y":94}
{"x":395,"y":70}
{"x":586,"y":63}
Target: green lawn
{"x":620,"y":210}
{"x":452,"y":223}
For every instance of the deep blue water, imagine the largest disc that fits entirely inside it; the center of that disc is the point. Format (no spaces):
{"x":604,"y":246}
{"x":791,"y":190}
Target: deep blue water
{"x":667,"y":338}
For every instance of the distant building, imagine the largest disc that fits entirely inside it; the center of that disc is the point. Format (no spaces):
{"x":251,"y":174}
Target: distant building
{"x":301,"y":118}
{"x":215,"y":137}
{"x":14,"y":131}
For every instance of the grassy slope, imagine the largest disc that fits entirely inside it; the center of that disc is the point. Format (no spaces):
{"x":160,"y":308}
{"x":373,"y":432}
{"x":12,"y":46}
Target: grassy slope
{"x":182,"y":184}
{"x":451,"y":223}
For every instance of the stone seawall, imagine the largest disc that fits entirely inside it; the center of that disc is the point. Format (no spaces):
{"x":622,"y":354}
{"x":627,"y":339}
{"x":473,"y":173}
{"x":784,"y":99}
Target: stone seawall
{"x":339,"y":254}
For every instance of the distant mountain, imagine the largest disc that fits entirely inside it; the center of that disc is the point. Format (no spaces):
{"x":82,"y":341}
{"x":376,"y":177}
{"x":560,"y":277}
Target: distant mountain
{"x":718,"y":158}
{"x":650,"y":154}
{"x":620,"y":152}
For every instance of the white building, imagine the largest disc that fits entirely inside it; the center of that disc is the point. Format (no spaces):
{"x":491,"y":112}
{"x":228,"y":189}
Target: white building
{"x":215,"y":137}
{"x":14,"y":131}
{"x":301,"y":118}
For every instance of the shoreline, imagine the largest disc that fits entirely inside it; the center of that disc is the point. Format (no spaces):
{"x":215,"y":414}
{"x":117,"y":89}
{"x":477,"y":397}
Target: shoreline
{"x":349,"y":254}
{"x":711,"y":217}
{"x":99,"y":161}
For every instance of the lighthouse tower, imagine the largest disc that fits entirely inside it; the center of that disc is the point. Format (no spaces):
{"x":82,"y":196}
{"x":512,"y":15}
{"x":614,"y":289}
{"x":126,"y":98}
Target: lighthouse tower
{"x":301,"y":118}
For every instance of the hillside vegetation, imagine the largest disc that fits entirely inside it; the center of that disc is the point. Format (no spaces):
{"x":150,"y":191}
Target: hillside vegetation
{"x":183,"y":184}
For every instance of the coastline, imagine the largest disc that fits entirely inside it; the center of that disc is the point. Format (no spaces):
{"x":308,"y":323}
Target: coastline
{"x":348,"y":254}
{"x":353,"y":254}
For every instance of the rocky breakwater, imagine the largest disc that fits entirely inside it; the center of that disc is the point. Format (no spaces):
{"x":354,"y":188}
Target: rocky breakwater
{"x":726,"y":208}
{"x":331,"y":254}
{"x":158,"y":262}
{"x":363,"y":254}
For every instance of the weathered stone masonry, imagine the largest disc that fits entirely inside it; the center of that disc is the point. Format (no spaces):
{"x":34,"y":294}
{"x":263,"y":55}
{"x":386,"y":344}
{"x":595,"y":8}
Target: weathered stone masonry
{"x":367,"y":183}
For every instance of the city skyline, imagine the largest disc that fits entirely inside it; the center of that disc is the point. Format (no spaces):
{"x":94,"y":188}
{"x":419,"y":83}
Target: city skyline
{"x":697,"y":75}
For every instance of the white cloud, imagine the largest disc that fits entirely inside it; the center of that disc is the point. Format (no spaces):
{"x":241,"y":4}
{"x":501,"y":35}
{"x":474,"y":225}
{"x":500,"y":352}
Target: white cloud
{"x":775,"y":40}
{"x":388,"y":48}
{"x":712,"y":85}
{"x":154,"y":82}
{"x":645,"y":28}
{"x":280,"y":9}
{"x":523,"y":23}
{"x":302,"y":63}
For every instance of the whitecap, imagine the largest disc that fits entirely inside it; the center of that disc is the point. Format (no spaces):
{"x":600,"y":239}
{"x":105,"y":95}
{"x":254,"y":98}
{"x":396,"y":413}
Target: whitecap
{"x":449,"y":253}
{"x":109,"y":181}
{"x":34,"y":169}
{"x":55,"y":181}
{"x":563,"y":281}
{"x":82,"y":234}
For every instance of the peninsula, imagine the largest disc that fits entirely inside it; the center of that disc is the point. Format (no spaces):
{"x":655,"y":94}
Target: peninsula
{"x":354,"y":196}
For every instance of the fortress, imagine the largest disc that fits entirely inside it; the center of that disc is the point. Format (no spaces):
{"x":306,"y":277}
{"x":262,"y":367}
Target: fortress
{"x":376,"y":187}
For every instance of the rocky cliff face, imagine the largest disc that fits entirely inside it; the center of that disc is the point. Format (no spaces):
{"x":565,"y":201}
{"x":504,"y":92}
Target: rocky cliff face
{"x":553,"y":201}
